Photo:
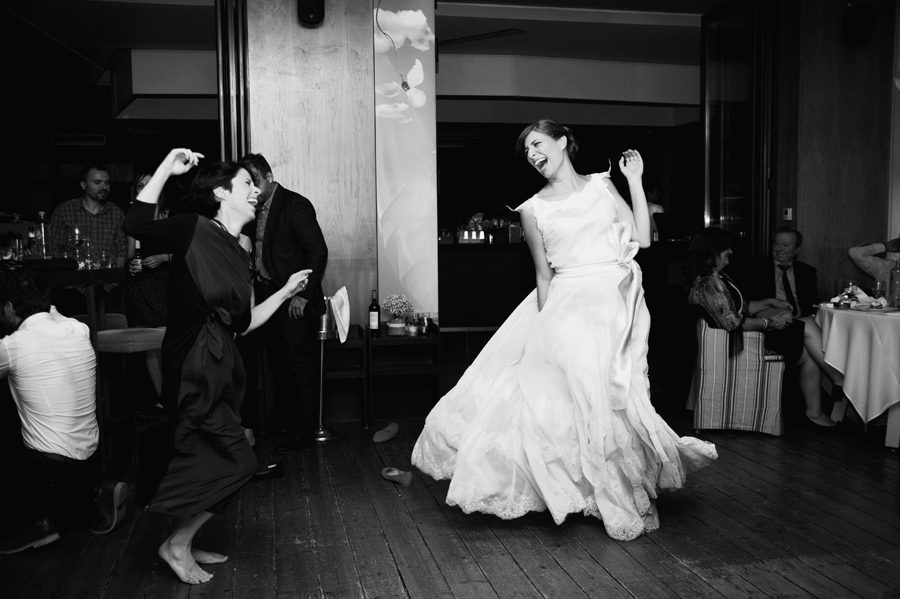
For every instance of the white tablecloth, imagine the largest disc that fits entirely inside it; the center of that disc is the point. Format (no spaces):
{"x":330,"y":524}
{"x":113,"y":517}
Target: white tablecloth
{"x":865,"y":347}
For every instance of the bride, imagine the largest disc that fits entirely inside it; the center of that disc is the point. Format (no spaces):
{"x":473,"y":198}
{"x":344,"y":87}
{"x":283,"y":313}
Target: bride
{"x":555,"y":411}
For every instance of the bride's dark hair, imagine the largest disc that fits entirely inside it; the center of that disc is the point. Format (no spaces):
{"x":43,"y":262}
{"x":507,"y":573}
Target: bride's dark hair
{"x":554,"y":130}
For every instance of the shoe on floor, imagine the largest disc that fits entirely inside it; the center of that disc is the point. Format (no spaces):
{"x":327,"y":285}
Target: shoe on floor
{"x":395,"y":475}
{"x":274,"y":470}
{"x":38,"y":534}
{"x":386,"y":433}
{"x":109,"y":507}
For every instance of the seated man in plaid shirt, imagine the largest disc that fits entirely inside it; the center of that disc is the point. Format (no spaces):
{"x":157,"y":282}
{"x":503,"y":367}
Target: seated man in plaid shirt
{"x":97,"y":220}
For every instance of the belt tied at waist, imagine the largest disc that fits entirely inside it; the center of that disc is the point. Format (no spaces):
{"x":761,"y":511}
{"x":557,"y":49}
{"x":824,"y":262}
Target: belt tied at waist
{"x":213,"y":335}
{"x":593,"y":268}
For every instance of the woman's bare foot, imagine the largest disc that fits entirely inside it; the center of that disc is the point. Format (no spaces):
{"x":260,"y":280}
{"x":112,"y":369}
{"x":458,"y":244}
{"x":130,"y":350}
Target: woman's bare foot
{"x":208,"y":557}
{"x":183,"y":564}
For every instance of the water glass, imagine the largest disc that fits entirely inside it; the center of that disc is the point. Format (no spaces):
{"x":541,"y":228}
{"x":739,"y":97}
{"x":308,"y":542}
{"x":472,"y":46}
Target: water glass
{"x":879,"y":289}
{"x":841,"y":285}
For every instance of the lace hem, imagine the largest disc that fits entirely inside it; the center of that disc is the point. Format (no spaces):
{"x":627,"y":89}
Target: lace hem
{"x":627,"y":529}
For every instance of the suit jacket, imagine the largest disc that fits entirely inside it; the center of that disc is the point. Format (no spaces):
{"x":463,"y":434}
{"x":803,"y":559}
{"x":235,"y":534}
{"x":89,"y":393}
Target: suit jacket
{"x":293,"y":241}
{"x":758,"y":282}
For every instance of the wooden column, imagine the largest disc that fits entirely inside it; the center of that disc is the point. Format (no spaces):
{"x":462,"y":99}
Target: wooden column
{"x":311,"y":113}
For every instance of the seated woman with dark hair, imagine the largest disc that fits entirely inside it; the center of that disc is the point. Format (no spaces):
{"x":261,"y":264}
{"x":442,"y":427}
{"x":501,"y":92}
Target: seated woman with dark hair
{"x":724,"y":307}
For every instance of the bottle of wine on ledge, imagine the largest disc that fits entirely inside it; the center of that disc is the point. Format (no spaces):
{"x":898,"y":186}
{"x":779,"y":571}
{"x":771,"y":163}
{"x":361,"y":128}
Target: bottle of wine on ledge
{"x":374,"y":315}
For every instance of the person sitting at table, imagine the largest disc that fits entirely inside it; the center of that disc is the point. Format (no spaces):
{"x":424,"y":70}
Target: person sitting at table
{"x":96,"y":218}
{"x":782,"y":276}
{"x":724,"y":306}
{"x":871,"y":258}
{"x":51,"y":367}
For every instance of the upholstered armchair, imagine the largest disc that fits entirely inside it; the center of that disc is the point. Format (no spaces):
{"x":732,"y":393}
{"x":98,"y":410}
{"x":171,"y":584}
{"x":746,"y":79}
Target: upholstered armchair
{"x":740,"y":392}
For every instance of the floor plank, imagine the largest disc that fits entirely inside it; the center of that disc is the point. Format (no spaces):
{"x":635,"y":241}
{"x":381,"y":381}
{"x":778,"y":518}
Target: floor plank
{"x":807,"y":515}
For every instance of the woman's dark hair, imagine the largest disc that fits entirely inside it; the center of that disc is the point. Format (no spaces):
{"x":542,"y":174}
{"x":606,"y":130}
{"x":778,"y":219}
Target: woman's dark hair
{"x":161,"y":204}
{"x":200,"y":197}
{"x":703,"y":252}
{"x":551,"y":128}
{"x":26,"y":294}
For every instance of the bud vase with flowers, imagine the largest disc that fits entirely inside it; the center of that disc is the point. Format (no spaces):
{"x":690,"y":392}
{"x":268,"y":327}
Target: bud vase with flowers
{"x":398,"y":308}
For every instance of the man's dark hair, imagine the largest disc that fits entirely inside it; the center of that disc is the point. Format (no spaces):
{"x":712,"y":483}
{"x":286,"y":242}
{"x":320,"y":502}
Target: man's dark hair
{"x":27,"y":294}
{"x":798,"y":236}
{"x":83,"y":173}
{"x":257,"y":165}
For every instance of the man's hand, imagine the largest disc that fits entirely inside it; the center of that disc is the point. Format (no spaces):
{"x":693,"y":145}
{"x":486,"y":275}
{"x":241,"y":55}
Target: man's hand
{"x":781,"y":320}
{"x":777,"y":303}
{"x":297,"y":306}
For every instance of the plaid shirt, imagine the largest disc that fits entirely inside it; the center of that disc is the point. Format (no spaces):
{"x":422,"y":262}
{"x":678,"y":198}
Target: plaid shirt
{"x":104,"y":229}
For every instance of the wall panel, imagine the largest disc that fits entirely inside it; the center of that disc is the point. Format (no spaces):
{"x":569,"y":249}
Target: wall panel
{"x":843,"y":135}
{"x":311,"y":113}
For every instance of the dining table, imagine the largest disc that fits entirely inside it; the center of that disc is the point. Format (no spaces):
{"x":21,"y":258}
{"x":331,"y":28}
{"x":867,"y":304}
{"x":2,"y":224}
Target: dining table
{"x":864,"y":346}
{"x":59,"y":273}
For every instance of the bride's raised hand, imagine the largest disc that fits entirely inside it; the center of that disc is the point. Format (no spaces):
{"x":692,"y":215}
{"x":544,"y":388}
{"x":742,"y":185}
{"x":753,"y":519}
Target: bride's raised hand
{"x":631,"y":164}
{"x":180,"y":160}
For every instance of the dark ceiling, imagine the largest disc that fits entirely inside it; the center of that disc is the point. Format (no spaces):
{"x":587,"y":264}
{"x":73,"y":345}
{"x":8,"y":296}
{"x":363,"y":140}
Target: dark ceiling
{"x":58,"y":50}
{"x":76,"y":38}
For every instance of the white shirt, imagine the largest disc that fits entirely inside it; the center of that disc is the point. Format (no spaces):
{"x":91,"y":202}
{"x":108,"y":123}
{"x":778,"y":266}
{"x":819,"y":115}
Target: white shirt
{"x":52,"y":372}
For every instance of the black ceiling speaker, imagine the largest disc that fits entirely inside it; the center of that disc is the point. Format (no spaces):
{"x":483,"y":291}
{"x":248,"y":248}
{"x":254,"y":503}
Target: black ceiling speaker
{"x":311,"y":12}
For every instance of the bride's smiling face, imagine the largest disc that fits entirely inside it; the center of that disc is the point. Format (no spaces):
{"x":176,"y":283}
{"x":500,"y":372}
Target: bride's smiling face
{"x":545,"y":153}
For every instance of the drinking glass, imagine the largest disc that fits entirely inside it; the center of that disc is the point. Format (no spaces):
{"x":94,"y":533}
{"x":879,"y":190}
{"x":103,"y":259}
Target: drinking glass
{"x":879,"y":289}
{"x":841,"y":285}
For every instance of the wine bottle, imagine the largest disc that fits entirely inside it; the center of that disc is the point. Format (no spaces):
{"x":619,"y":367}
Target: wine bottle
{"x":894,"y":287}
{"x":136,"y":264}
{"x":41,"y":234}
{"x":374,"y":315}
{"x":31,"y":244}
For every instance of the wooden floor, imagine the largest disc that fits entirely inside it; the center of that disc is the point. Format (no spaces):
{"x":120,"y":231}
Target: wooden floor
{"x":810,"y":514}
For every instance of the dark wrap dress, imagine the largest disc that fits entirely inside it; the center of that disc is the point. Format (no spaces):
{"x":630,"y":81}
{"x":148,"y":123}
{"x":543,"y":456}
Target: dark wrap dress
{"x":203,"y":374}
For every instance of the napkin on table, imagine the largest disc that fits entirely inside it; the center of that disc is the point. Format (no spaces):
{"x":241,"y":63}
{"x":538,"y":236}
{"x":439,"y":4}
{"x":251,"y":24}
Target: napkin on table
{"x":340,"y":305}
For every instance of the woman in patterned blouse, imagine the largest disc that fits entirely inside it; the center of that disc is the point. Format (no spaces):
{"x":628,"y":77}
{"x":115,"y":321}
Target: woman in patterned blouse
{"x":724,"y":307}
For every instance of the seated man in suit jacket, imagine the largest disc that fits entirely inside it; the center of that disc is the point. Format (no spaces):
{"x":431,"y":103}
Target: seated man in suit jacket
{"x":782,"y":276}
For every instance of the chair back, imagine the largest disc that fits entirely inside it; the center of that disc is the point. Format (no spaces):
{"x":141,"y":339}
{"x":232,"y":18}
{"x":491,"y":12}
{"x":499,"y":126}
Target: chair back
{"x":735,"y":392}
{"x":111,"y":320}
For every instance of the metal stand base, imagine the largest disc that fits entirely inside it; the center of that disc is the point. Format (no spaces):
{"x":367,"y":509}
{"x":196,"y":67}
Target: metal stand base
{"x":323,"y":434}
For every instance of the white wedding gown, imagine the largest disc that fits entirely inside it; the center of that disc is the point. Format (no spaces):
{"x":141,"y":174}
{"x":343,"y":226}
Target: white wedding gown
{"x":555,"y":411}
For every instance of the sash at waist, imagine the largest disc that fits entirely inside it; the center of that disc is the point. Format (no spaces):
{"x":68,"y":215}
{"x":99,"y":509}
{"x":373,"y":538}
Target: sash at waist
{"x":593,"y":268}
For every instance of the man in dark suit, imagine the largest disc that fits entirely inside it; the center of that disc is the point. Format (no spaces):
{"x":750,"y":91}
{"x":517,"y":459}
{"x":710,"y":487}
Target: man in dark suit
{"x":288,"y":238}
{"x":782,"y":276}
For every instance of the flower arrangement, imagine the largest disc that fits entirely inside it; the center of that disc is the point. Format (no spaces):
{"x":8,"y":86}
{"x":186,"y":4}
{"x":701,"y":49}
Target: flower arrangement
{"x":397,"y":306}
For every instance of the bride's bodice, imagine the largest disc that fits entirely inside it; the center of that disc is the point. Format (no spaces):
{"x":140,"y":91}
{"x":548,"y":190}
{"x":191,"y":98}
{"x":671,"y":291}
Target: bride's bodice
{"x":580,"y":229}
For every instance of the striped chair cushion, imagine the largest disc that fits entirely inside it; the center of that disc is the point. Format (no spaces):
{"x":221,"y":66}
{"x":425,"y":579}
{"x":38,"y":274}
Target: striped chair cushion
{"x":742,"y":392}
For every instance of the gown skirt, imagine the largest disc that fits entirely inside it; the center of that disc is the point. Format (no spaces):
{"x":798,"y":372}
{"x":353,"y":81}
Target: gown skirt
{"x":555,"y":412}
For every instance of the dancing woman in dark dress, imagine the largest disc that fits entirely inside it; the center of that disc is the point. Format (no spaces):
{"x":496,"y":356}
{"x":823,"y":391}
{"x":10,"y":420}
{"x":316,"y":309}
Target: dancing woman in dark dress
{"x":210,"y":301}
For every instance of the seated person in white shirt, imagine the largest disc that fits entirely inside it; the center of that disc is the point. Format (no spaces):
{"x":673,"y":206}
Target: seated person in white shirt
{"x":875,"y":258}
{"x":51,"y":367}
